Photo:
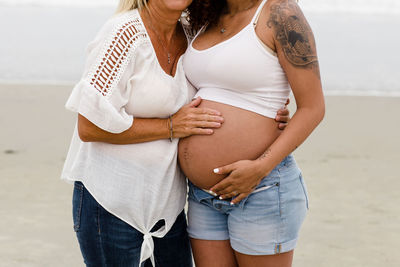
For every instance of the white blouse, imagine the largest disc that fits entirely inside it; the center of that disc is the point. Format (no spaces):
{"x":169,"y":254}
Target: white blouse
{"x":139,"y":183}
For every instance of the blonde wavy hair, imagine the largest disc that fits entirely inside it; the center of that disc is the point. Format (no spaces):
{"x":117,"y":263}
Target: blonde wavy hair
{"x":126,"y":5}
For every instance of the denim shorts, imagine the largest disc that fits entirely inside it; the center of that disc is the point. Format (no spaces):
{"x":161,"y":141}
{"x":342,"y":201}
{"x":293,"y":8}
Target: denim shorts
{"x":267,"y":222}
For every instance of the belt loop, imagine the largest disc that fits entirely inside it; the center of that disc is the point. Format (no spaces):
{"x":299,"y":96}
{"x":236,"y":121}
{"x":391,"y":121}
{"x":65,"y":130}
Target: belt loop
{"x":278,"y":248}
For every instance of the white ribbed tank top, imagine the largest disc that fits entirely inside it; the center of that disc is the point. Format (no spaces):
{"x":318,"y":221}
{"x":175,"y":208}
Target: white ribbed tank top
{"x":240,"y":72}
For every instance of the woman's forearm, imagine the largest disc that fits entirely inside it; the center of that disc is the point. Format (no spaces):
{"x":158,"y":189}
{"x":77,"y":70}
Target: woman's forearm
{"x":304,"y":121}
{"x":142,"y":130}
{"x":189,"y":120}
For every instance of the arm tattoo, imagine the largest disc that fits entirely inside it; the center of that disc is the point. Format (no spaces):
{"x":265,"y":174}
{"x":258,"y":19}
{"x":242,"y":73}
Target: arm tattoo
{"x":294,"y":35}
{"x":265,"y":154}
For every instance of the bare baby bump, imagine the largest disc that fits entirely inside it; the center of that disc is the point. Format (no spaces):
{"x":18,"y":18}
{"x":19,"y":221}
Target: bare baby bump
{"x":243,"y":135}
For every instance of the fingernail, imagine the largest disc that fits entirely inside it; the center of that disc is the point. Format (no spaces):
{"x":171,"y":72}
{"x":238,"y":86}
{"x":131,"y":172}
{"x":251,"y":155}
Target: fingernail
{"x":216,"y":170}
{"x":212,"y":193}
{"x":232,"y":204}
{"x":221,"y":198}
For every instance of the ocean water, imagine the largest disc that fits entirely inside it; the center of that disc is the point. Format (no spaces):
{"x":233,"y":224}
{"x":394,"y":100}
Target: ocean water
{"x":45,"y":40}
{"x":354,"y":6}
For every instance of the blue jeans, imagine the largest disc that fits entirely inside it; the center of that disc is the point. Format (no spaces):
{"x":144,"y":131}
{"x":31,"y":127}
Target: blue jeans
{"x":106,"y":240}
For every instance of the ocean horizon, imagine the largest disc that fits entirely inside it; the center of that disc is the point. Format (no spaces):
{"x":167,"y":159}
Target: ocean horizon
{"x":357,"y":42}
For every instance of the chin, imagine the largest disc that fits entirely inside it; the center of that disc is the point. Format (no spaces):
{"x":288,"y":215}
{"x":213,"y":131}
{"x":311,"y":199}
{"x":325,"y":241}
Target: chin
{"x":177,"y":5}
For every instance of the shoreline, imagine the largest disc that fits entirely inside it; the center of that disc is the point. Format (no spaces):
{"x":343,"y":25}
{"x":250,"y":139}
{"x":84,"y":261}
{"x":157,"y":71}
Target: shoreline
{"x":71,"y":84}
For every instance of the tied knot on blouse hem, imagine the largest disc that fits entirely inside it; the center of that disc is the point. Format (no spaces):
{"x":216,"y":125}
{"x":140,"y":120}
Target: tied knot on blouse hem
{"x":147,"y":249}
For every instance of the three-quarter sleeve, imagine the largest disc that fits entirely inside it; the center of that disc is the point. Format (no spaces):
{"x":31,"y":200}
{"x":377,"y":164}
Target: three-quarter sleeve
{"x":103,"y":92}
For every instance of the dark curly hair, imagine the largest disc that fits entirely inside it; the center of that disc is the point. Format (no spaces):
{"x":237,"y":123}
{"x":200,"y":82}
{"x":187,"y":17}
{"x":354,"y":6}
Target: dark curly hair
{"x":205,"y":11}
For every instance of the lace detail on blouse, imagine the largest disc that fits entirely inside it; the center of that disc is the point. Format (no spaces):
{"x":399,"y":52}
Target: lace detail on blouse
{"x":118,"y":52}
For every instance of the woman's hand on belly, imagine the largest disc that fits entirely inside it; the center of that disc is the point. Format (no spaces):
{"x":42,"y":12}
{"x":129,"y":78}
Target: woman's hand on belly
{"x":243,"y":177}
{"x":191,"y":120}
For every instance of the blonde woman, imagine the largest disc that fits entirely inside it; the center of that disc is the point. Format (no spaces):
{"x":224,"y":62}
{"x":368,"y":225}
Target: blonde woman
{"x":134,"y":104}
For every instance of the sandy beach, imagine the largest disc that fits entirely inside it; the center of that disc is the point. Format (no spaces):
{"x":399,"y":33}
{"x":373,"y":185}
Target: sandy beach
{"x":349,"y":164}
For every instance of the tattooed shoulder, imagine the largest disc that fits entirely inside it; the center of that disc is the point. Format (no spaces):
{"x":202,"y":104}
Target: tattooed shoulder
{"x":293,"y":34}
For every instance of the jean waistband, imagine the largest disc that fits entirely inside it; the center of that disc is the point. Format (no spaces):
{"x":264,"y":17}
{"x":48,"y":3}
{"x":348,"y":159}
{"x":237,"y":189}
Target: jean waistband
{"x":289,"y":160}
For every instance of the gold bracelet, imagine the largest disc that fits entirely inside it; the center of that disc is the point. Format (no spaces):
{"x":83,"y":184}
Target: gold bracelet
{"x":171,"y":132}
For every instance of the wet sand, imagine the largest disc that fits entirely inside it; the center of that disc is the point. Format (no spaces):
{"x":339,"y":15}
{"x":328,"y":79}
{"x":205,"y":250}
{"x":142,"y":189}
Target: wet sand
{"x":349,"y":163}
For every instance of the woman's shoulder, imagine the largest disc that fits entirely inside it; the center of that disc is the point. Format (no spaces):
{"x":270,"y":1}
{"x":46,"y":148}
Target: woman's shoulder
{"x":122,"y":38}
{"x":282,"y":18}
{"x":282,"y":8}
{"x":125,"y":16}
{"x":125,"y":22}
{"x":122,"y":32}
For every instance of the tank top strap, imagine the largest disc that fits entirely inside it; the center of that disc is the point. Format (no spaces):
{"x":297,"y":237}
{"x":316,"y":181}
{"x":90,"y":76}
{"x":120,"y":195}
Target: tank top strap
{"x":200,"y":31}
{"x":258,"y":12}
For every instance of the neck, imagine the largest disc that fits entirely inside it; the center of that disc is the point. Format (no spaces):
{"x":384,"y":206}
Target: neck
{"x":235,"y":6}
{"x":163,"y":19}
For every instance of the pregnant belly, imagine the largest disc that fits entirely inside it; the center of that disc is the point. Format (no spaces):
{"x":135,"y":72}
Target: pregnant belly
{"x":243,"y":135}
